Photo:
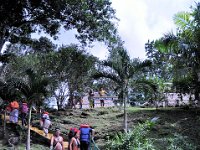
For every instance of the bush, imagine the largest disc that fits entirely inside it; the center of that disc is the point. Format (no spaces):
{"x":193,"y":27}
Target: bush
{"x":135,"y":139}
{"x":138,"y":139}
{"x":179,"y":142}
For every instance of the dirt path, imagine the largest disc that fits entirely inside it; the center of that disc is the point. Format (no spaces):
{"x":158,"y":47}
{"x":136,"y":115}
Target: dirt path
{"x":41,"y":132}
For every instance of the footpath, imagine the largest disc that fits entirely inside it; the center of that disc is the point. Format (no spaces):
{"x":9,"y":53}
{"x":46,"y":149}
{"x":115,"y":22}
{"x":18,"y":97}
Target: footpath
{"x":41,"y":132}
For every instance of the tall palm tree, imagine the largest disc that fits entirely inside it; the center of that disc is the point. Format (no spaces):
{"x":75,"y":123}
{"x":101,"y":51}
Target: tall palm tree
{"x":34,"y":88}
{"x":120,"y":68}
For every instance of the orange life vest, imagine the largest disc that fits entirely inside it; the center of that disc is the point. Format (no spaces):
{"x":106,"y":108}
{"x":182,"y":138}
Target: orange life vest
{"x":14,"y":105}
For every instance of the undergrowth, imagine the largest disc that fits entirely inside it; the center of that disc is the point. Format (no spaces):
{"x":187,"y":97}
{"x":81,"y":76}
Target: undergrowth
{"x":137,"y":139}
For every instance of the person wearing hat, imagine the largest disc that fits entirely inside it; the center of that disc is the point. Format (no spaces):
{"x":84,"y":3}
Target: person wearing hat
{"x":86,"y":134}
{"x":57,"y":141}
{"x":46,"y":122}
{"x":75,"y":142}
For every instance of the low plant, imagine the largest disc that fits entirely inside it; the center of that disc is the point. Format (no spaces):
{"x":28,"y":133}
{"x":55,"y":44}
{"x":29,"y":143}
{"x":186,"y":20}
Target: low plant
{"x":179,"y":142}
{"x":135,"y":139}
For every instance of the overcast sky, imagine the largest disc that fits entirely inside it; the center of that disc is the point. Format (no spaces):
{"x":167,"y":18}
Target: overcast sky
{"x":140,"y":20}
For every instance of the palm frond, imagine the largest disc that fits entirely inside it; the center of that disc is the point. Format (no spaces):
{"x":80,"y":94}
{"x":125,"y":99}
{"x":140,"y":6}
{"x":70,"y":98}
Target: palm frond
{"x":145,"y":63}
{"x":104,"y":74}
{"x":114,"y":66}
{"x":167,"y":43}
{"x":182,"y":20}
{"x":138,"y":66}
{"x":15,"y":83}
{"x":147,"y":83}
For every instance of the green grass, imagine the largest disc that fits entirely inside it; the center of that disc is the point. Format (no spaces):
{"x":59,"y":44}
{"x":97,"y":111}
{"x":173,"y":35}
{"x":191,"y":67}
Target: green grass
{"x":139,"y":109}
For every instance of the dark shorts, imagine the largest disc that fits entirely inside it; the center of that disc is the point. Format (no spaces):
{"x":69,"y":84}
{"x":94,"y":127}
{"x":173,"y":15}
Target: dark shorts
{"x":85,"y":145}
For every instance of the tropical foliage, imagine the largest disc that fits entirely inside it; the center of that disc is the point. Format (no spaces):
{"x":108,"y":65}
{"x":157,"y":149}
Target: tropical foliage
{"x":135,"y":139}
{"x":179,"y":52}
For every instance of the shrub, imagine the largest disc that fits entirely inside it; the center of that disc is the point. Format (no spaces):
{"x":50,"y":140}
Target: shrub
{"x":179,"y":142}
{"x":135,"y":139}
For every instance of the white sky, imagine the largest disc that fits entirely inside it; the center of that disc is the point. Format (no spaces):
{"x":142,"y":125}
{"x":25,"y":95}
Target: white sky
{"x":140,"y":20}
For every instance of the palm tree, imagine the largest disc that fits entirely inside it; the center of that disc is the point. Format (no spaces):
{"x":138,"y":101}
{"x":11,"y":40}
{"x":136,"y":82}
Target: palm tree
{"x":183,"y":49}
{"x":120,"y":68}
{"x":34,"y":88}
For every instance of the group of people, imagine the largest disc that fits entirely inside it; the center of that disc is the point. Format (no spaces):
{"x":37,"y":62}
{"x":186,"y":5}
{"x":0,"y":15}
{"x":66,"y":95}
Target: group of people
{"x":14,"y":108}
{"x":78,"y":98}
{"x":101,"y":93}
{"x":78,"y":139}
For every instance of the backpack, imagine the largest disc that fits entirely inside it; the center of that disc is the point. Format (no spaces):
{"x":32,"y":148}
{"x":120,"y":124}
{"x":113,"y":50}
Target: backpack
{"x":14,"y":105}
{"x":85,"y":134}
{"x":85,"y":131}
{"x":24,"y":108}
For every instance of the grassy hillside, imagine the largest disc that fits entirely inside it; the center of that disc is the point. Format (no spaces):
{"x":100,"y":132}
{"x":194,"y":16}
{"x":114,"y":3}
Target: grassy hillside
{"x":108,"y":121}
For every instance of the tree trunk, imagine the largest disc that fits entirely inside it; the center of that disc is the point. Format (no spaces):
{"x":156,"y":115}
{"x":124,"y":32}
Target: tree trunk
{"x":71,"y":97}
{"x":196,"y":96}
{"x":125,"y":115}
{"x":2,"y":42}
{"x":2,"y":68}
{"x":60,"y":101}
{"x":125,"y":102}
{"x":28,"y":143}
{"x":58,"y":105}
{"x":4,"y":123}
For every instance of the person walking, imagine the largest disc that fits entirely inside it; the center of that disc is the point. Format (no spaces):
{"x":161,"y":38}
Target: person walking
{"x":14,"y":114}
{"x":91,"y":98}
{"x":57,"y":142}
{"x":85,"y":134}
{"x":46,"y":122}
{"x":24,"y":112}
{"x":71,"y":134}
{"x":102,"y":93}
{"x":75,"y":142}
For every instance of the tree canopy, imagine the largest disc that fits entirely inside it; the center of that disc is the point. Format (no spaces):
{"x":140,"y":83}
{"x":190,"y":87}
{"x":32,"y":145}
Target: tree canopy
{"x":93,"y":19}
